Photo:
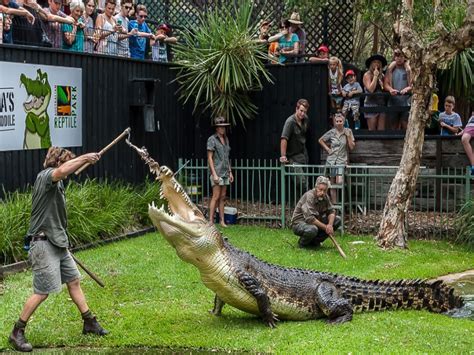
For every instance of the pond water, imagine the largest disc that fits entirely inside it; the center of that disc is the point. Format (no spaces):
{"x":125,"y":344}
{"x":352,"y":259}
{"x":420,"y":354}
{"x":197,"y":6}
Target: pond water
{"x":464,"y":285}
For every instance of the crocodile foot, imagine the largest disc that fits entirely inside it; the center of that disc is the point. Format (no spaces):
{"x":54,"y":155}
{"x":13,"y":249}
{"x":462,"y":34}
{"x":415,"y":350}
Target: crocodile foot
{"x":341,"y":319}
{"x":271,"y":320}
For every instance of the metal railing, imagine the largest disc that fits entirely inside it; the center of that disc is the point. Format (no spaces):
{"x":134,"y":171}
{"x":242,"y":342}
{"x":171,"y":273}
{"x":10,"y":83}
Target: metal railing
{"x":266,"y":192}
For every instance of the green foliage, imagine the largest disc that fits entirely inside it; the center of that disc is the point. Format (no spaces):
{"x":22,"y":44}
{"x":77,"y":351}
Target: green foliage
{"x":153,"y":301}
{"x":220,"y":62}
{"x":458,"y":78}
{"x":95,"y":211}
{"x":465,"y":224}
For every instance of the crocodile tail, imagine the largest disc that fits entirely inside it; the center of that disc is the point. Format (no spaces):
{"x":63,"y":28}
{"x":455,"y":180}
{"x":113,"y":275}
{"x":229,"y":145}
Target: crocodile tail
{"x":377,"y":295}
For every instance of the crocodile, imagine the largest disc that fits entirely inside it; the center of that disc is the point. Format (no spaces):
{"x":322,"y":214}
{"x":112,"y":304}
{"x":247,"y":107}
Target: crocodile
{"x":272,"y":292}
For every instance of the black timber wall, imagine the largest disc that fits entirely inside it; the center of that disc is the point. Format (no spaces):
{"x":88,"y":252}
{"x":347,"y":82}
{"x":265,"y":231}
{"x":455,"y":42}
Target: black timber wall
{"x":113,"y":99}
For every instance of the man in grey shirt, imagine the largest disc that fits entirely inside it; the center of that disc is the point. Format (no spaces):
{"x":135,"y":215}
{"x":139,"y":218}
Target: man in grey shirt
{"x":293,"y":140}
{"x":50,"y":259}
{"x":398,"y":83}
{"x":314,"y":217}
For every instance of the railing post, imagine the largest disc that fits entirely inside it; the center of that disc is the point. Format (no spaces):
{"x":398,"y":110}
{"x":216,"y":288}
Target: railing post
{"x":283,"y":197}
{"x":468,"y":184}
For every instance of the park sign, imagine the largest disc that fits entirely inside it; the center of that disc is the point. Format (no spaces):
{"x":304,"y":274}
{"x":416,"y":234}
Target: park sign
{"x":40,"y":106}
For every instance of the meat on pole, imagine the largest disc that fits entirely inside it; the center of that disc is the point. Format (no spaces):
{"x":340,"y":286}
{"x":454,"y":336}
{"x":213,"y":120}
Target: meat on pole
{"x":124,"y":134}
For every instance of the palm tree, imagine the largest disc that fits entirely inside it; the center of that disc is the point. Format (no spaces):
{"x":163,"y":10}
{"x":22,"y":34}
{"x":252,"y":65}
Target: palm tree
{"x":220,"y":63}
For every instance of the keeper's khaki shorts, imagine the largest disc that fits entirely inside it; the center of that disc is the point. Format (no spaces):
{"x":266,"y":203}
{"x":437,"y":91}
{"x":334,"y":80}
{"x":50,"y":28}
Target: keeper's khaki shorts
{"x":52,"y":266}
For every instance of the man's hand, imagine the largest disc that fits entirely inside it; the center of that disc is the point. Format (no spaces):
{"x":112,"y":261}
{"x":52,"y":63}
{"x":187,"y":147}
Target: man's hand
{"x":329,"y":229}
{"x":283,"y":159}
{"x":215,"y":178}
{"x":92,"y":158}
{"x":393,"y":92}
{"x":231,"y":177}
{"x":69,"y":20}
{"x":30,"y":17}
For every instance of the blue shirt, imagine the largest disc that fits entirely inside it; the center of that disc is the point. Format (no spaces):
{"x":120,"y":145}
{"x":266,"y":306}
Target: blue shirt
{"x":137,"y":44}
{"x":284,"y":43}
{"x":453,"y":120}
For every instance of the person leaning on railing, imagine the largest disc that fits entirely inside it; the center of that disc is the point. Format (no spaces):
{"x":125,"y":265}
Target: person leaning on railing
{"x":373,"y":81}
{"x":90,"y":40}
{"x":137,"y":42}
{"x":54,"y":18}
{"x":107,"y":30}
{"x":122,"y":20}
{"x":11,"y":8}
{"x":73,"y":35}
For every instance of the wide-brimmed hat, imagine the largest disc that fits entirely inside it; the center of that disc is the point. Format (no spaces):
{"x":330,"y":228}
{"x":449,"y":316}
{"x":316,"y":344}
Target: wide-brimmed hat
{"x":295,"y":19}
{"x":376,"y":57}
{"x":220,"y":122}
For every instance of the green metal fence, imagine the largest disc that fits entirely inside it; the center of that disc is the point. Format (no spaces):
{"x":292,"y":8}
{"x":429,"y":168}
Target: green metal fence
{"x":265,"y":192}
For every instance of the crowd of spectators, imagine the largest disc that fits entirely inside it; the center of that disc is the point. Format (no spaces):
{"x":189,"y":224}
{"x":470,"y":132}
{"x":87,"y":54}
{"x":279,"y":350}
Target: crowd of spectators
{"x":111,"y":27}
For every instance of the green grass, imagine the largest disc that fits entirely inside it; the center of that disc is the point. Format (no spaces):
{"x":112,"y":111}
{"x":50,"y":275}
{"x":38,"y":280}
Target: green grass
{"x":153,"y":299}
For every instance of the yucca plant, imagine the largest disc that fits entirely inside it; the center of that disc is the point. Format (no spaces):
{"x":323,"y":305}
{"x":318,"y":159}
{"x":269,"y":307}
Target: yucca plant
{"x":458,"y":77}
{"x":465,"y":224}
{"x":220,"y":62}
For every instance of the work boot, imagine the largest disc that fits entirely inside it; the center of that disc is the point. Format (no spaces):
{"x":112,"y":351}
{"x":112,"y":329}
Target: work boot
{"x":17,"y":338}
{"x":91,"y":325}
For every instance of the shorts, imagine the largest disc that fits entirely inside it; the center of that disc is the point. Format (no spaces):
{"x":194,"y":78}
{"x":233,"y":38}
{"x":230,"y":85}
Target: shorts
{"x":469,"y":130}
{"x":223,"y":181}
{"x":52,"y":266}
{"x":333,"y":170}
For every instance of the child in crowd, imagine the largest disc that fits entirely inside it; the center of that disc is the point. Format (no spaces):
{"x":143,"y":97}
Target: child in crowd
{"x":449,"y":120}
{"x":351,"y":89}
{"x":159,"y":49}
{"x":467,"y":134}
{"x":335,"y":81}
{"x":323,"y":55}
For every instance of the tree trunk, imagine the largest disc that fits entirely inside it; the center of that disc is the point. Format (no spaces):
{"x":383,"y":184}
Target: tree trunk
{"x":375,"y":43}
{"x":392,"y":231}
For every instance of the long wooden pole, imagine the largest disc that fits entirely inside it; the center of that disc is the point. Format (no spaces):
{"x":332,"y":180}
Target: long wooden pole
{"x":338,"y":247}
{"x":88,"y":272}
{"x":110,"y":145}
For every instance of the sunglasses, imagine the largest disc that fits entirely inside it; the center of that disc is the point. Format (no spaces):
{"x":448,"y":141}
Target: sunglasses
{"x":143,"y":16}
{"x":128,"y":7}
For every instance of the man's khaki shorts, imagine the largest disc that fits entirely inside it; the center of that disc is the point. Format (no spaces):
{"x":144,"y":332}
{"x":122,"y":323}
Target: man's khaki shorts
{"x":52,"y":266}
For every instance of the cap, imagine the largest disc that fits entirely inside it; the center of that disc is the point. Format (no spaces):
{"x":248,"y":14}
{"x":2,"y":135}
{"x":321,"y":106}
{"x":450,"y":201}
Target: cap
{"x":164,"y":27}
{"x":350,"y":72}
{"x":323,"y":48}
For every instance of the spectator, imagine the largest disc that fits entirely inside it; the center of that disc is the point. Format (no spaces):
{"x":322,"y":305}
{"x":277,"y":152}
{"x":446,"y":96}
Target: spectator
{"x":159,"y":48}
{"x":73,"y":35}
{"x":351,"y":92}
{"x":273,"y":47}
{"x":55,"y":17}
{"x":107,"y":30}
{"x":337,"y":142}
{"x":295,"y":23}
{"x":218,"y":150}
{"x":449,"y":121}
{"x":323,"y":55}
{"x":138,"y":41}
{"x":293,"y":140}
{"x":90,"y":40}
{"x":314,"y":217}
{"x":9,"y":7}
{"x":263,"y":34}
{"x":373,"y":84}
{"x":7,"y":26}
{"x":398,"y":83}
{"x":288,"y":43}
{"x":467,"y":134}
{"x":335,"y":81}
{"x":122,"y":20}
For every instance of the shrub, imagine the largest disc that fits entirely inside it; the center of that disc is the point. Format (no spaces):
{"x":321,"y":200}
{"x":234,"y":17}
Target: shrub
{"x":465,"y":224}
{"x":96,"y":210}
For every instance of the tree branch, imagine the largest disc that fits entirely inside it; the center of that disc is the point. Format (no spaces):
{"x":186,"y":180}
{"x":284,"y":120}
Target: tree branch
{"x":446,"y":47}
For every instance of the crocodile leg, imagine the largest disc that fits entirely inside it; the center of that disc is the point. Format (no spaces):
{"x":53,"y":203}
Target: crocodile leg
{"x":218,"y":304}
{"x":337,"y":309}
{"x":252,"y":285}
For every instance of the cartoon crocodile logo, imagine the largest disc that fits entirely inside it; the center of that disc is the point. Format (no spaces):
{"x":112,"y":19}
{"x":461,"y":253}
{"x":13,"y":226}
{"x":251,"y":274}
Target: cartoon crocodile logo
{"x":37,"y":133}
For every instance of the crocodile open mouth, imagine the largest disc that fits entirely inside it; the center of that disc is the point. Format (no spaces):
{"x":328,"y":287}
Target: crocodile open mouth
{"x":177,"y":200}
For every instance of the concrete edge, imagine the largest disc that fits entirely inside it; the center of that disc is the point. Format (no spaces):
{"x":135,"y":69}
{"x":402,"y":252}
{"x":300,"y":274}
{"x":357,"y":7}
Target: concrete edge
{"x":23,"y":265}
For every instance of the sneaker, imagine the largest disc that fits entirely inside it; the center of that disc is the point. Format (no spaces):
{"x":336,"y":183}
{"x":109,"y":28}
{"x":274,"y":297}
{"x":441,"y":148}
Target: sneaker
{"x":357,"y":124}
